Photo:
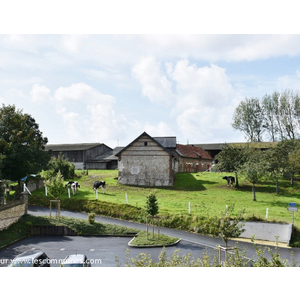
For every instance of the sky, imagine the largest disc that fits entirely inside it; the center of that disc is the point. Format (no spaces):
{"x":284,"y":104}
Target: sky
{"x":88,"y":87}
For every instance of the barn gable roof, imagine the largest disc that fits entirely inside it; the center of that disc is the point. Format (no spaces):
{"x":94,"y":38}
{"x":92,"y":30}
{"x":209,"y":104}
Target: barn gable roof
{"x":192,"y":152}
{"x":166,"y":141}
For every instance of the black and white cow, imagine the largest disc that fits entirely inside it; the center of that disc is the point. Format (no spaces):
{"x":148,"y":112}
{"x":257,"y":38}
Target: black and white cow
{"x":97,"y":184}
{"x":74,"y":185}
{"x":230,"y":180}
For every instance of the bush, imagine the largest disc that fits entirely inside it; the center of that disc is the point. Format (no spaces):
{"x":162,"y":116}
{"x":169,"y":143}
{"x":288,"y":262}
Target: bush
{"x":91,"y":218}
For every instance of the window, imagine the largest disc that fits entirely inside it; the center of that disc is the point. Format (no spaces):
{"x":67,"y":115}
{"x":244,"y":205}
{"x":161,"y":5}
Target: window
{"x":145,"y":143}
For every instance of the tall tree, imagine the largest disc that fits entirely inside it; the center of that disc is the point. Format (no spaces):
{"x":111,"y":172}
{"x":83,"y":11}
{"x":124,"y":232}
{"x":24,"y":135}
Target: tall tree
{"x":21,"y":144}
{"x":248,"y":118}
{"x":269,"y":108}
{"x":289,"y":103}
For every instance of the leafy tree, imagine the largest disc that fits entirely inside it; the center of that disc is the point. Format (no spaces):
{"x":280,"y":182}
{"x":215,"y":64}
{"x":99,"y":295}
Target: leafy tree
{"x":270,"y":110}
{"x":275,"y":158}
{"x":62,"y":165}
{"x":287,"y":155}
{"x":55,"y":185}
{"x":21,"y":144}
{"x":293,"y":159}
{"x":288,"y":111}
{"x":277,"y":115}
{"x":255,"y":168}
{"x":230,"y":159}
{"x":249,"y":119}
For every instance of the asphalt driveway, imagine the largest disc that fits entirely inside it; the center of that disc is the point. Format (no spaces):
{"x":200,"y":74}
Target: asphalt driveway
{"x":101,"y":251}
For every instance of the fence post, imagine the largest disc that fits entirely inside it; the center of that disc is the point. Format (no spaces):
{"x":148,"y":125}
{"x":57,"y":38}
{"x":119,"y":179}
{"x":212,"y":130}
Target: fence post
{"x":24,"y":197}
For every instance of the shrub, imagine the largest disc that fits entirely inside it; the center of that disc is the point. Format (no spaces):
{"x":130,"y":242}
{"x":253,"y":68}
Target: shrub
{"x":91,"y":218}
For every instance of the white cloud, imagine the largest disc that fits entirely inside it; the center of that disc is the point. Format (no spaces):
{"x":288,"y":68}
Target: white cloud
{"x":73,"y":42}
{"x":39,"y":93}
{"x":205,"y":100}
{"x":90,"y":115}
{"x":155,"y":84}
{"x":201,"y":86}
{"x":160,"y":129}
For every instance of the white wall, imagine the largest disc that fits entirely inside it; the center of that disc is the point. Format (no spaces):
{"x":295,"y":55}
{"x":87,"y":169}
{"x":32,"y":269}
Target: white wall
{"x":268,"y":231}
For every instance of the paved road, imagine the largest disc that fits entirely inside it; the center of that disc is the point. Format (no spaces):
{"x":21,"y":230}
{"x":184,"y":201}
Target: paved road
{"x":101,"y":251}
{"x":106,"y":249}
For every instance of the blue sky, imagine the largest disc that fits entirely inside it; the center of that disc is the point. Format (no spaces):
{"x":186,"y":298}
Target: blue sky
{"x":109,"y":88}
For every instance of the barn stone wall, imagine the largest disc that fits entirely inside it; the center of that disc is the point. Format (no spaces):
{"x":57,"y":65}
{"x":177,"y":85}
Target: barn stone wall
{"x":145,"y":163}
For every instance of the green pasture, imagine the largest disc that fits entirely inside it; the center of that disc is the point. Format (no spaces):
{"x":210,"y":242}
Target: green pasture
{"x":207,"y":194}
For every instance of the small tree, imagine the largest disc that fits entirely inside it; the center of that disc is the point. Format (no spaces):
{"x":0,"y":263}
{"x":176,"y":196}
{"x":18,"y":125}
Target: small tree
{"x":61,"y":164}
{"x":55,"y":185}
{"x":230,"y":227}
{"x":255,"y":168}
{"x":151,"y":209}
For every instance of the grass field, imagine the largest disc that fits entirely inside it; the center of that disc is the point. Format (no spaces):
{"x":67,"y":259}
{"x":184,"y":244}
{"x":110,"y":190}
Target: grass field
{"x":206,"y":193}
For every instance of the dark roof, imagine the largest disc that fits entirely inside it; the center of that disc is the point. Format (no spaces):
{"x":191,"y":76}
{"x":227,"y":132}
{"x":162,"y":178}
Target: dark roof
{"x":192,"y":152}
{"x":71,"y":147}
{"x":108,"y":156}
{"x":167,"y":142}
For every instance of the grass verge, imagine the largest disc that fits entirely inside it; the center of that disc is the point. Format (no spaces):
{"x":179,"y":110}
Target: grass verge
{"x":157,"y":241}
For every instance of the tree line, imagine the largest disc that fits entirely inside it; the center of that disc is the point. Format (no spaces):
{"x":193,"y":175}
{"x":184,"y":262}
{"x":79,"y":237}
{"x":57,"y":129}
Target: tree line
{"x":274,"y":117}
{"x":282,"y":159}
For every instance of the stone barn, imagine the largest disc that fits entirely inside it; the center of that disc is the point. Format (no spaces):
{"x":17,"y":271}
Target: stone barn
{"x":148,"y":161}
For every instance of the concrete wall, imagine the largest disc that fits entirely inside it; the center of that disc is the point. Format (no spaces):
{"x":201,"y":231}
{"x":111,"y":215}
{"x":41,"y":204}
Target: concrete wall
{"x":268,"y":231}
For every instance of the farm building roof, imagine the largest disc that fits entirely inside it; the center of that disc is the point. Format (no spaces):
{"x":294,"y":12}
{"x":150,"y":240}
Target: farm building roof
{"x":71,"y":147}
{"x":192,"y":151}
{"x":167,"y":142}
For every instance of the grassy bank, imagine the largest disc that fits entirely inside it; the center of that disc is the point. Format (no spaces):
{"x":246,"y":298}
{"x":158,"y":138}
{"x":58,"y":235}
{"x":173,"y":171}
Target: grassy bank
{"x":207,"y":195}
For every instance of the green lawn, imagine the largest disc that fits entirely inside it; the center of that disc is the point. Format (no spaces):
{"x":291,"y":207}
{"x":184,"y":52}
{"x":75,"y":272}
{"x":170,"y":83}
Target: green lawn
{"x":207,"y":194}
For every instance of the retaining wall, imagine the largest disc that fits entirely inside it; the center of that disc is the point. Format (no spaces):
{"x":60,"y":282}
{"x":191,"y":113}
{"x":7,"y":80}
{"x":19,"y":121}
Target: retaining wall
{"x":10,"y":213}
{"x":268,"y":231}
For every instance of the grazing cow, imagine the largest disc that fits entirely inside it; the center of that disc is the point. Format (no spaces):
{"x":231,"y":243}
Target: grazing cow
{"x":69,"y":183}
{"x":97,"y":184}
{"x":230,"y":180}
{"x":74,"y":186}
